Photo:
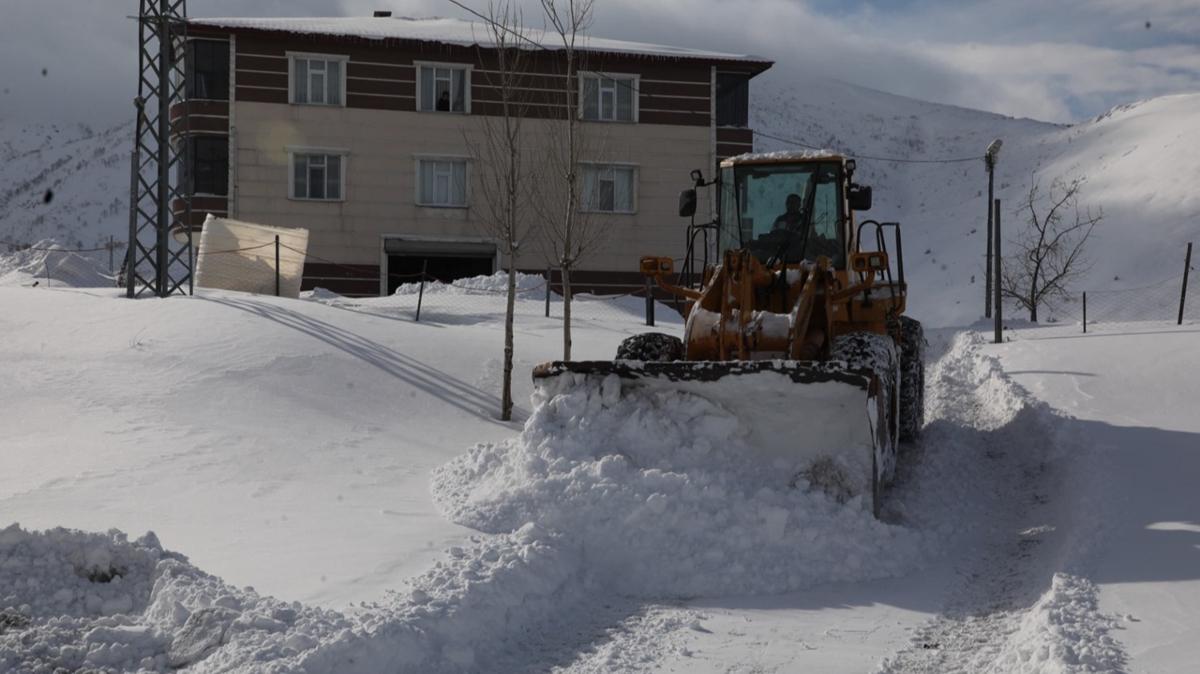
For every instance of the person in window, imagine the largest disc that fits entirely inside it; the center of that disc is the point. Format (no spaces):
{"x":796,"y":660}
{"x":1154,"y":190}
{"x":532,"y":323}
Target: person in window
{"x":793,"y":216}
{"x":443,"y":102}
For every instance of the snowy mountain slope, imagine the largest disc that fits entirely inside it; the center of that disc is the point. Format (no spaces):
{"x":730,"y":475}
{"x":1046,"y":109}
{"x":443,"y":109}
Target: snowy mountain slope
{"x":1138,"y":161}
{"x":84,"y":172}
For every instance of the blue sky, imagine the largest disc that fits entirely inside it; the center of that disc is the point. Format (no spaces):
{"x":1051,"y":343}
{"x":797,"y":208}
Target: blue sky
{"x":1055,"y":60}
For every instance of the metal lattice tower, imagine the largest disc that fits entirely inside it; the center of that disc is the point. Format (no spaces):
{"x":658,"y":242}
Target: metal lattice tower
{"x":159,"y":206}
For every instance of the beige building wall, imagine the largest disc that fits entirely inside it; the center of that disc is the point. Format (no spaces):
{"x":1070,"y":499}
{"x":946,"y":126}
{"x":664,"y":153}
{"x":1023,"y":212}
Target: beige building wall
{"x":382,"y":147}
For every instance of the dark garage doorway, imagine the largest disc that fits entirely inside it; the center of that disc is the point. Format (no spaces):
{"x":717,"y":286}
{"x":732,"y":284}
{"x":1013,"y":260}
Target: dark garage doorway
{"x":443,"y":260}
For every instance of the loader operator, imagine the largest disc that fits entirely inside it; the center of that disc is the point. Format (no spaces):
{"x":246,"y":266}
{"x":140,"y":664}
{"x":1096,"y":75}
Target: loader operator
{"x":793,"y":221}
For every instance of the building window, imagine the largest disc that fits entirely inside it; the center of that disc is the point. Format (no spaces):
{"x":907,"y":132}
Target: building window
{"x":609,"y":188}
{"x":444,"y":88}
{"x":608,"y":98}
{"x":318,"y":80}
{"x":208,"y":69}
{"x":733,"y":99}
{"x":442,"y":182}
{"x":317,"y":176}
{"x":205,"y":165}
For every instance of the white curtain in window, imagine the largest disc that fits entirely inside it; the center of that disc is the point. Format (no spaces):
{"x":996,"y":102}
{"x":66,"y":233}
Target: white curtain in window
{"x":443,"y":183}
{"x":316,"y":177}
{"x":623,"y":189}
{"x":591,"y":98}
{"x":427,"y":97}
{"x":608,"y":188}
{"x":334,"y":82}
{"x":625,"y":94}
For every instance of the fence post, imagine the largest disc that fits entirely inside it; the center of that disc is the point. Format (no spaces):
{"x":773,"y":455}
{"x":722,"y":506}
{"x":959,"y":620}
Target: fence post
{"x":549,"y":271}
{"x":421,"y":290}
{"x":111,"y":269}
{"x":1187,"y":265}
{"x":649,"y":303}
{"x":277,"y":265}
{"x":1085,"y":312}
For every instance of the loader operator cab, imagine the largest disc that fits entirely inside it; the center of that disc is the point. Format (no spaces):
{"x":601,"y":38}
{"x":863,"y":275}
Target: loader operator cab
{"x":783,"y":212}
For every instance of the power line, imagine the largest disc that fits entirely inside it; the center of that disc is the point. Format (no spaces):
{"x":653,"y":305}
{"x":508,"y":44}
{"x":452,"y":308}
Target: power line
{"x":855,"y":155}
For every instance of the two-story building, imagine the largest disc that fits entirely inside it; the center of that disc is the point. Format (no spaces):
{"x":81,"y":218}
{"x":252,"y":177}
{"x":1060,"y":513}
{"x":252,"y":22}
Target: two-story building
{"x":361,"y":130}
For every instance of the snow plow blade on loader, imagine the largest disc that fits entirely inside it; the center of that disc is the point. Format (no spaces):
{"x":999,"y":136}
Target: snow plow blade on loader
{"x":814,"y":420}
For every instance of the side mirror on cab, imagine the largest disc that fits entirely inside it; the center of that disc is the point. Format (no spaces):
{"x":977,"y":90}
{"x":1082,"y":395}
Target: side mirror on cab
{"x":687,"y":203}
{"x":860,"y":197}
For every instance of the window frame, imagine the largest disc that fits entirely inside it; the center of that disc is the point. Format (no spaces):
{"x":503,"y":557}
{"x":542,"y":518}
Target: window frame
{"x":465,"y":160}
{"x":599,"y":76}
{"x":190,"y":69}
{"x":466,"y":69}
{"x":343,"y":154}
{"x":190,"y":155}
{"x":633,"y":192}
{"x":343,"y":59}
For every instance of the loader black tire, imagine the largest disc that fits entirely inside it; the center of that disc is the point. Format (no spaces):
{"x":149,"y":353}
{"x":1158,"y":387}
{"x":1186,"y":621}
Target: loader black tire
{"x":912,"y":379}
{"x":651,"y":347}
{"x":878,"y":353}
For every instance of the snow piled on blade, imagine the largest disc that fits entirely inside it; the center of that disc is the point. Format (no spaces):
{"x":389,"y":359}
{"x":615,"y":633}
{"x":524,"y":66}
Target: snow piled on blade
{"x":660,"y":493}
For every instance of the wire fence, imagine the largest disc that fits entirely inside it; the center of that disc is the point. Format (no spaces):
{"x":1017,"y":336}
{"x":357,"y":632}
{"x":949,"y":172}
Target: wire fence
{"x":418,"y":296}
{"x":1175,"y":299}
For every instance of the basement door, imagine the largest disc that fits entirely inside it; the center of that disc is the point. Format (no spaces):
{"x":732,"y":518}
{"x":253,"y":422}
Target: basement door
{"x":443,"y":260}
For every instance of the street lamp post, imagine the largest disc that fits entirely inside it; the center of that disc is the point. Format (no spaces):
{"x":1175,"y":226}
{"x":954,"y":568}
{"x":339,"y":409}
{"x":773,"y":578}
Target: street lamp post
{"x":989,"y":159}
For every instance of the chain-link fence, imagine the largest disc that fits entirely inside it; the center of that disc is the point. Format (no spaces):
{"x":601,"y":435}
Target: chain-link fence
{"x":1175,"y":299}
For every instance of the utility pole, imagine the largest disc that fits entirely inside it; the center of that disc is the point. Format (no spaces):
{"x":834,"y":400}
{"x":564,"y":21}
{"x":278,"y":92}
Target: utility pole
{"x":996,"y":282}
{"x":989,"y":160}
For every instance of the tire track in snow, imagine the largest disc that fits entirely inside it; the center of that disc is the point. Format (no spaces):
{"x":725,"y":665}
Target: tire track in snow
{"x":1012,"y":611}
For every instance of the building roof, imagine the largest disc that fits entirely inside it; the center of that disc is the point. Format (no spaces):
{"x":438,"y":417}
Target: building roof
{"x":460,"y":33}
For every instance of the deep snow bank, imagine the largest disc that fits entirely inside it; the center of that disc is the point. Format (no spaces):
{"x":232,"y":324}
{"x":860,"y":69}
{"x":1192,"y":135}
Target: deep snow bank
{"x":660,"y":493}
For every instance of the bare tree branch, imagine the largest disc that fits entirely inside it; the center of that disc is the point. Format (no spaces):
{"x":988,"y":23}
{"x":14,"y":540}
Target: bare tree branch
{"x":1049,"y":254}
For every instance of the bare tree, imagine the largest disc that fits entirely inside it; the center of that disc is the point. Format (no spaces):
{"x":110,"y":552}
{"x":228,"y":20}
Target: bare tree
{"x":570,"y":230}
{"x":1049,"y":252}
{"x":504,"y":182}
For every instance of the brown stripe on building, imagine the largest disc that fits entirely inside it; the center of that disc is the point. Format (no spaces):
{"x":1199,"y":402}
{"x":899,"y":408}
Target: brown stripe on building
{"x":200,"y":124}
{"x":201,"y":107}
{"x":262,"y":79}
{"x":249,"y":62}
{"x":257,"y":95}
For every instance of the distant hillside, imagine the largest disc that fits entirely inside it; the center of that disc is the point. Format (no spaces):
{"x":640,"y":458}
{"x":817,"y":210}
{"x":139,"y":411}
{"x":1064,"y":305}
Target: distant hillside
{"x":1140,"y":162}
{"x":86,"y":173}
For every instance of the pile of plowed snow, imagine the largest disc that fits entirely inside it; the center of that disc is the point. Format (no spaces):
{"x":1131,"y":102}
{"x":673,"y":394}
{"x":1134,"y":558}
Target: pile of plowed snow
{"x":659,"y":492}
{"x":496,"y":283}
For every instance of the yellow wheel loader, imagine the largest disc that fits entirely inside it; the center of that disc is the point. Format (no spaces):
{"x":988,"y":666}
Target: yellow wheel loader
{"x":796,"y":326}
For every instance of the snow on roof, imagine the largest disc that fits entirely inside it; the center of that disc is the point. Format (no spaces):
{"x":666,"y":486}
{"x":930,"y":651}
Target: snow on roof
{"x":784,"y":155}
{"x":453,"y":31}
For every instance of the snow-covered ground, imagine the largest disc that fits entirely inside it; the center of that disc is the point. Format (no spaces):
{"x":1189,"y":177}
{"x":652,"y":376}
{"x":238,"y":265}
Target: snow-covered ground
{"x":344,"y":462}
